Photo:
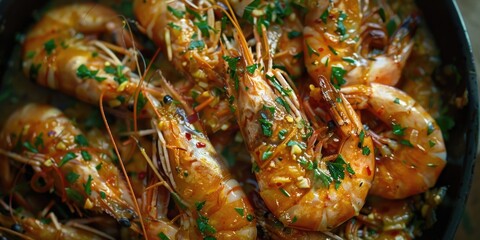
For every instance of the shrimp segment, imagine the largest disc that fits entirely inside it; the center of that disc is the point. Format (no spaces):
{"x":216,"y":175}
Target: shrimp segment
{"x":87,"y":177}
{"x":294,"y":179}
{"x":335,"y":34}
{"x":413,"y":154}
{"x":62,"y":52}
{"x":208,"y":193}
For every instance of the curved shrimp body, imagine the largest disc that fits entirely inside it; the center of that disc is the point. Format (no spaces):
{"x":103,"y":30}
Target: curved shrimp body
{"x":335,"y":34}
{"x":62,"y":52}
{"x":412,"y":155}
{"x":36,"y":229}
{"x":86,"y":176}
{"x":212,"y":200}
{"x":294,"y":180}
{"x":191,"y":39}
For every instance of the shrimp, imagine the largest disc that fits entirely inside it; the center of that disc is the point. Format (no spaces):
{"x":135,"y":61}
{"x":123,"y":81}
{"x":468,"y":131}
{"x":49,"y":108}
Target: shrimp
{"x":44,"y":138}
{"x":213,"y":203}
{"x":335,"y":34}
{"x":295,"y":180}
{"x":32,"y":228}
{"x":190,"y":34}
{"x":412,"y":152}
{"x":62,"y":51}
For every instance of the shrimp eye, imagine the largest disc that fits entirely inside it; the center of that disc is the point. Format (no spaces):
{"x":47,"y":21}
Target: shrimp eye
{"x":167,"y":99}
{"x":124,"y":222}
{"x":17,"y":228}
{"x":331,"y":125}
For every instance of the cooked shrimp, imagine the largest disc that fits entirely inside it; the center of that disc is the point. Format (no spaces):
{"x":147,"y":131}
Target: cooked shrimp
{"x":190,"y":35}
{"x":32,"y":228}
{"x":44,"y":138}
{"x":62,"y":51}
{"x":412,"y":155}
{"x":295,"y":180}
{"x":335,"y":34}
{"x":212,"y":202}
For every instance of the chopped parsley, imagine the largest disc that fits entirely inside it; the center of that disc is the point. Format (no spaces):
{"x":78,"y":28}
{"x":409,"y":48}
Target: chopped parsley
{"x":365,"y":150}
{"x":199,"y":205}
{"x":49,"y":46}
{"x":81,"y":140}
{"x":398,"y":130}
{"x":324,"y":15}
{"x":251,"y":69}
{"x":265,"y":125}
{"x":196,"y":44}
{"x":88,"y":185}
{"x":340,"y":26}
{"x":162,"y":236}
{"x":240,"y":211}
{"x":85,"y":155}
{"x":281,"y":133}
{"x":66,"y":158}
{"x":103,"y":195}
{"x":349,"y":60}
{"x":84,"y":73}
{"x":267,"y":154}
{"x":141,"y":102}
{"x":232,"y":65}
{"x":333,"y":50}
{"x":204,"y":227}
{"x":337,"y":170}
{"x":250,"y":217}
{"x":247,"y":13}
{"x":99,"y":166}
{"x":175,"y":12}
{"x":381,"y":12}
{"x":311,"y":51}
{"x":284,"y":192}
{"x":294,"y":34}
{"x":72,"y":177}
{"x":430,"y":128}
{"x":336,"y":78}
{"x":406,"y":143}
{"x":282,"y":102}
{"x":391,"y":27}
{"x":396,"y":100}
{"x":173,"y":26}
{"x":30,"y":147}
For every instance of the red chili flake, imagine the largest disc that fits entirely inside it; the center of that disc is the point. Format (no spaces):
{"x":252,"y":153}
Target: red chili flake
{"x":320,"y":49}
{"x":188,"y":136}
{"x":142,"y":175}
{"x":369,"y":172}
{"x":201,"y":145}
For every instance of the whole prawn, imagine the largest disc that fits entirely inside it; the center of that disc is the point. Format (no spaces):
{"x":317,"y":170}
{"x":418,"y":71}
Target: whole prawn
{"x":207,"y":194}
{"x":63,"y":51}
{"x":335,"y":34}
{"x":295,"y":180}
{"x":412,"y":151}
{"x":44,"y":138}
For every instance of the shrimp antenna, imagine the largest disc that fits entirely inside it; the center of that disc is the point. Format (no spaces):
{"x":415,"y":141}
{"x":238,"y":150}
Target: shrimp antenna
{"x":112,"y":139}
{"x":241,"y":37}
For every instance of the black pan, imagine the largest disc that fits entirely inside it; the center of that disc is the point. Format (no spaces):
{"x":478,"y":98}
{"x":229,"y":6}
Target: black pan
{"x":446,"y":24}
